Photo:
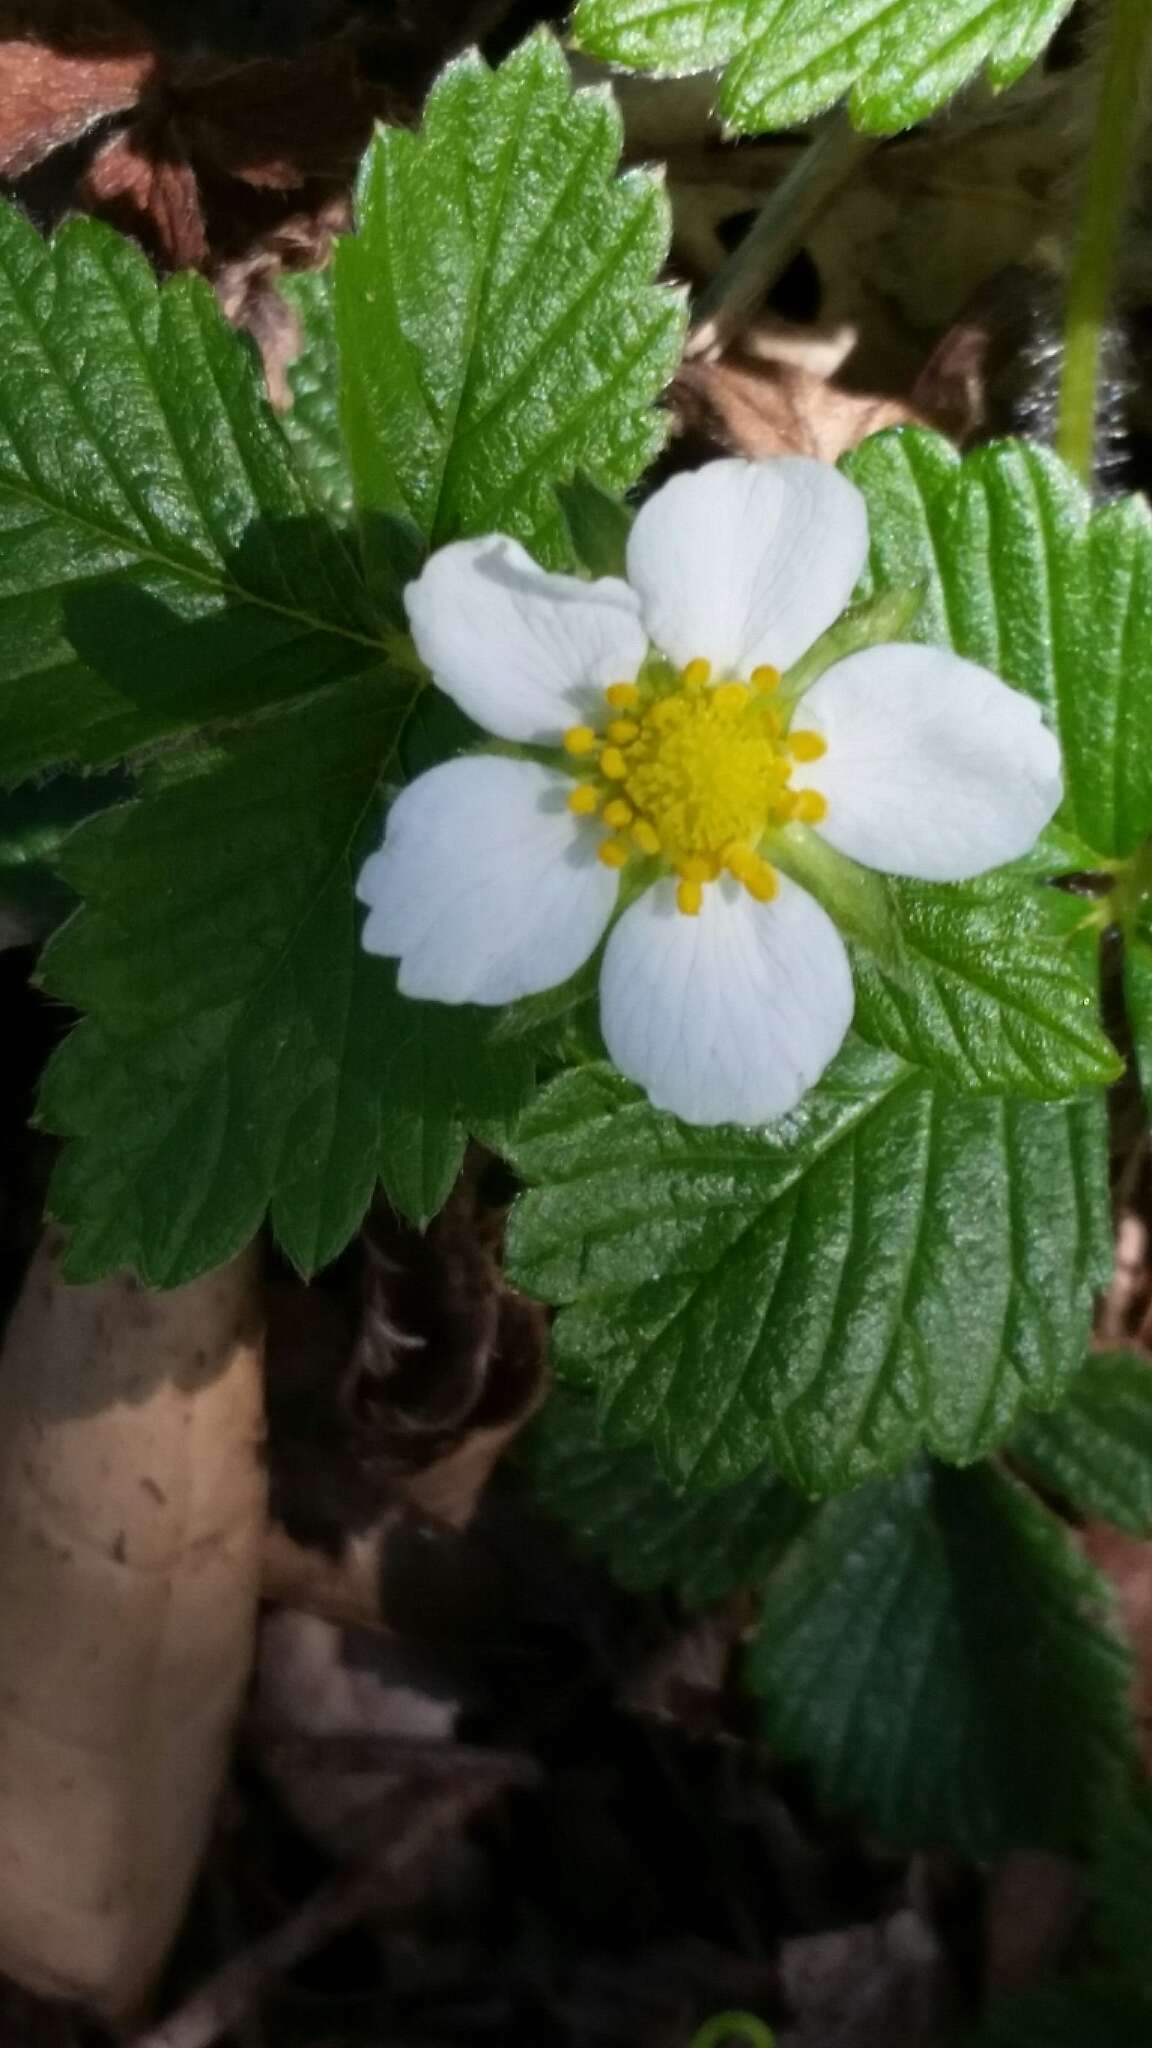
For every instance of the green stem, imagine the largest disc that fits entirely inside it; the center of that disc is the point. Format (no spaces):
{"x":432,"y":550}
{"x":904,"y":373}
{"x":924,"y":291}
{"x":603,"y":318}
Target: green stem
{"x":1127,"y":66}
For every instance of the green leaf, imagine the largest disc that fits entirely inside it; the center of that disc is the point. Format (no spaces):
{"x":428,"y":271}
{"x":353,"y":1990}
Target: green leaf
{"x":619,"y":1506}
{"x":1138,"y":1000}
{"x":499,"y":325}
{"x":312,"y":421}
{"x":242,"y":1054}
{"x":1121,"y":1880}
{"x":896,"y":60}
{"x":996,"y":996}
{"x":1084,"y":2014}
{"x":938,"y":1651}
{"x":162,"y":563}
{"x":823,"y":1295}
{"x":34,"y":823}
{"x":1019,"y":574}
{"x":1096,"y":1448}
{"x":598,"y":526}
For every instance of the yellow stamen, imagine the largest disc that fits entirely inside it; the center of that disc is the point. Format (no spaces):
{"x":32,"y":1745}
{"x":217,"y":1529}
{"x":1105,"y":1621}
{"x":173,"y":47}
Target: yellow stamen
{"x":613,"y":853}
{"x":584,"y":800}
{"x":807,"y":746}
{"x":580,"y":739}
{"x":731,"y":696}
{"x":623,"y":696}
{"x":761,"y":882}
{"x":696,"y":674}
{"x":646,"y":836}
{"x":622,"y":730}
{"x":689,"y":897}
{"x":698,"y":868}
{"x":765,"y":678}
{"x":613,"y":764}
{"x":618,"y":814}
{"x":810,"y":806}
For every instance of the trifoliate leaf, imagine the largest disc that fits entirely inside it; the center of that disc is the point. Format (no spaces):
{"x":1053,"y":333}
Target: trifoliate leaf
{"x":823,"y":1295}
{"x":1096,"y":1448}
{"x":995,"y":993}
{"x":312,"y":421}
{"x":237,"y":1054}
{"x":162,"y":562}
{"x":1021,"y":575}
{"x":618,"y":1504}
{"x":939,"y":1653}
{"x":787,"y":59}
{"x":499,"y":325}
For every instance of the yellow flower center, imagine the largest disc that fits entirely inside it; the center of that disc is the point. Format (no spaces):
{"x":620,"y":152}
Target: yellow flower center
{"x":697,"y":775}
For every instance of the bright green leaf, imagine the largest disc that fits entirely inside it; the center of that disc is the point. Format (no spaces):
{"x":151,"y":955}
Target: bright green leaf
{"x":161,"y":562}
{"x":499,"y":325}
{"x":241,"y":1053}
{"x":895,"y":60}
{"x":312,"y":421}
{"x":1096,"y":1448}
{"x":939,"y":1653}
{"x":995,"y":993}
{"x":1138,"y":1000}
{"x":618,"y":1504}
{"x":1019,"y":574}
{"x":823,"y":1295}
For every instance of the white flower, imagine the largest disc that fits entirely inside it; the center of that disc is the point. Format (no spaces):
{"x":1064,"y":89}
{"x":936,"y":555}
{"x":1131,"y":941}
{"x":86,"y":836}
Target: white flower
{"x":725,"y":988}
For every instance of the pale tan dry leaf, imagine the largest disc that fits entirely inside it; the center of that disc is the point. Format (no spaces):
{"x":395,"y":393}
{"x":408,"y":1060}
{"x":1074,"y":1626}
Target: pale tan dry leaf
{"x":755,"y":408}
{"x":131,"y":1516}
{"x":149,"y":191}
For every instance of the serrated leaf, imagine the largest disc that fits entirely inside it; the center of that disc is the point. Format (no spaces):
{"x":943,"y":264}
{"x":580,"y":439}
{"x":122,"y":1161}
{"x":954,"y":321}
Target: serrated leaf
{"x":312,"y":421}
{"x":823,"y":1295}
{"x":996,"y":995}
{"x":1096,"y":1448}
{"x":895,"y":60}
{"x":617,"y":1503}
{"x":1021,"y":575}
{"x":162,"y":562}
{"x":499,"y":325}
{"x":235,"y":1054}
{"x":940,"y":1654}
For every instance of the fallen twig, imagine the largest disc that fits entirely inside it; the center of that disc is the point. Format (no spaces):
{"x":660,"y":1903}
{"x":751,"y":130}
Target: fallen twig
{"x":347,"y":1898}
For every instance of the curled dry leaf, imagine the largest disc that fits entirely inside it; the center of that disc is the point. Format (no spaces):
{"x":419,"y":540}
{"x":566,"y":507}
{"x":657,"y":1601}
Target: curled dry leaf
{"x":131,"y":1515}
{"x":62,"y":76}
{"x":748,"y":406}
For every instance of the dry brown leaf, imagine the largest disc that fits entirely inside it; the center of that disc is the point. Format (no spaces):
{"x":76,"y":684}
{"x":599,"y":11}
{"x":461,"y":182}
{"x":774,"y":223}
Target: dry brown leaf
{"x":756,"y":408}
{"x":131,"y":1514}
{"x":141,"y":191}
{"x":53,"y":95}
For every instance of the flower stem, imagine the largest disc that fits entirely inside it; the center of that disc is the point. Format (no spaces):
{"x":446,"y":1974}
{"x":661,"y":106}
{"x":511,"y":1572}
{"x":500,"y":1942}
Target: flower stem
{"x":777,"y":233}
{"x":1116,"y":131}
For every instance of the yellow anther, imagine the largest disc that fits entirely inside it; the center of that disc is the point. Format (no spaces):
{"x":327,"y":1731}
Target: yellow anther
{"x":739,"y":861}
{"x":809,"y":806}
{"x":807,"y":746}
{"x":613,"y":764}
{"x":731,"y":696}
{"x":696,"y":674}
{"x":623,"y":696}
{"x":613,"y":853}
{"x":698,"y":868}
{"x":646,"y":836}
{"x":784,"y":807}
{"x":618,"y":814}
{"x":622,"y":730}
{"x":765,"y":678}
{"x":689,"y":897}
{"x":584,"y":800}
{"x":761,"y":882}
{"x":579,"y":739}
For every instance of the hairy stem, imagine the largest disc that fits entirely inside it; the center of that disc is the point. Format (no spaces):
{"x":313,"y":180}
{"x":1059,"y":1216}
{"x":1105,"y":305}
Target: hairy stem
{"x":1116,"y":130}
{"x":777,"y":233}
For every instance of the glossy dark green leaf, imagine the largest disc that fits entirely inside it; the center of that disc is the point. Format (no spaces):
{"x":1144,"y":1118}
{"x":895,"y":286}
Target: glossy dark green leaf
{"x":312,"y":421}
{"x":498,"y":321}
{"x":618,"y":1504}
{"x":895,"y":60}
{"x":939,"y":1653}
{"x":1096,"y":1448}
{"x":823,"y":1295}
{"x":161,"y":562}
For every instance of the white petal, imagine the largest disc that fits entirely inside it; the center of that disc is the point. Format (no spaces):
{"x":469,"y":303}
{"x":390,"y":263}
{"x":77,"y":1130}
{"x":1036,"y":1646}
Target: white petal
{"x":728,"y":1017}
{"x":747,"y":562}
{"x":935,"y":768}
{"x":524,"y":653}
{"x":486,"y":886}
